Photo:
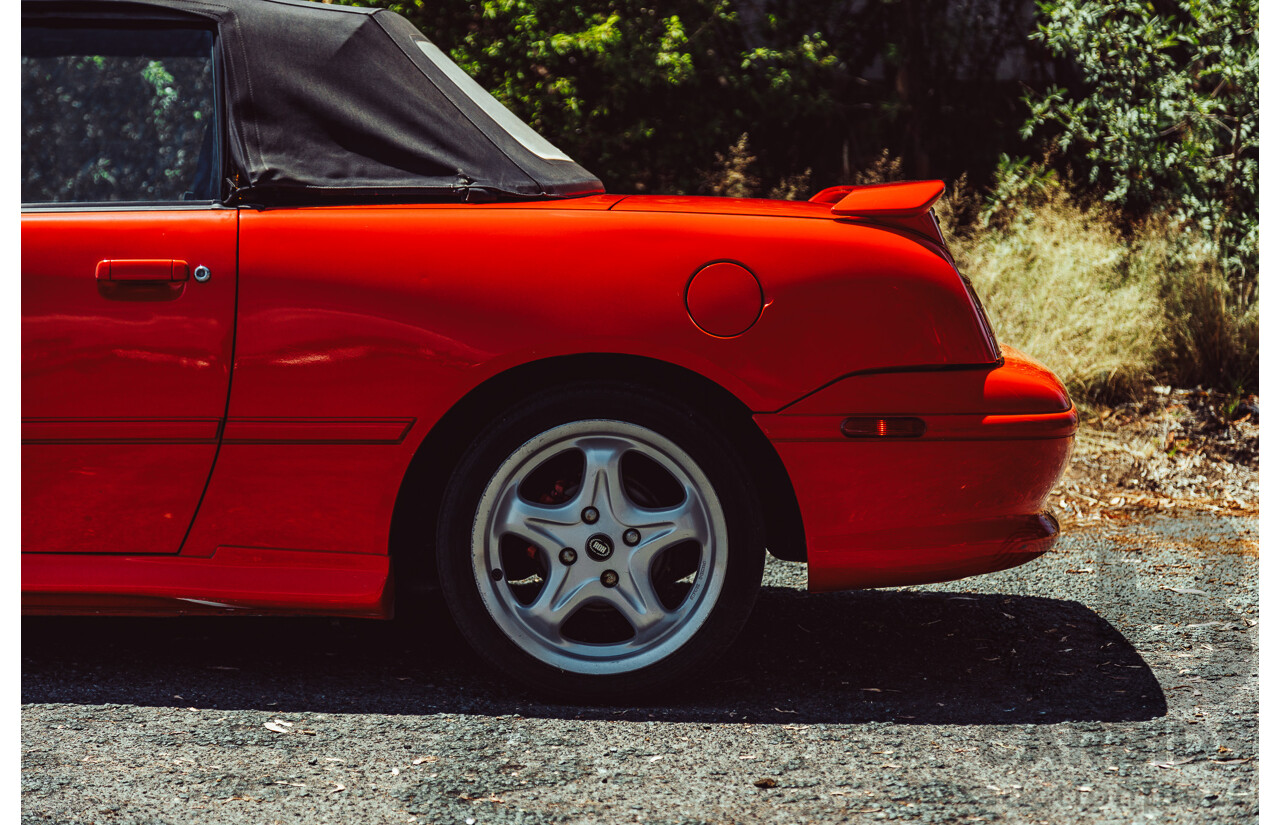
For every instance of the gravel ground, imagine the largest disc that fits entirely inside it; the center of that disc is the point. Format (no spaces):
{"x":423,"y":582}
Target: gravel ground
{"x":1112,"y":681}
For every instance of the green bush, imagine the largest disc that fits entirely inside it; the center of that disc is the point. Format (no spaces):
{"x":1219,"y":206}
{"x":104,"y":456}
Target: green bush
{"x":1163,"y":117}
{"x":646,"y":95}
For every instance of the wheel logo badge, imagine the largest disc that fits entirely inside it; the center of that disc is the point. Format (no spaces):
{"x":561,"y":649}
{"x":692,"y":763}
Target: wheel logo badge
{"x":599,"y":547}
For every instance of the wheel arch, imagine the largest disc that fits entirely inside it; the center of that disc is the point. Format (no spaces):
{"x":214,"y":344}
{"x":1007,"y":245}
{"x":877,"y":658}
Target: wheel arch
{"x":411,"y":542}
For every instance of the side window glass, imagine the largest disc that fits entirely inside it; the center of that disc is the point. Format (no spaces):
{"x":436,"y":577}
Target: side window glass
{"x":111,"y":115}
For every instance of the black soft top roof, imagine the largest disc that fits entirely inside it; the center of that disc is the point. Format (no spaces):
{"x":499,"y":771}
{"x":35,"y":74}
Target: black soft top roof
{"x":331,"y":103}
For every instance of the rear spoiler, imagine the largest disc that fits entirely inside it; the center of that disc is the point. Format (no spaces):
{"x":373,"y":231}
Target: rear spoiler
{"x":903,"y":199}
{"x":904,"y":204}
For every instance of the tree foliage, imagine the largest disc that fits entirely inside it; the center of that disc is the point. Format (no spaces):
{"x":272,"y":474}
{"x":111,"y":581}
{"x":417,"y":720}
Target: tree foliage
{"x":642,"y":95}
{"x":1164,"y":116}
{"x":647,"y":95}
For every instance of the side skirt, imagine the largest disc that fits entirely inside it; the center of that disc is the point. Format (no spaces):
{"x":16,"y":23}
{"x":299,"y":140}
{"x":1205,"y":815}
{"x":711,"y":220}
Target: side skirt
{"x":240,"y":580}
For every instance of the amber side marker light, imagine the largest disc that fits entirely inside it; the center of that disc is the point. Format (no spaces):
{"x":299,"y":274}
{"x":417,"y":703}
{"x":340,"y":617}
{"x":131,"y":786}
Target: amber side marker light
{"x":882,"y":427}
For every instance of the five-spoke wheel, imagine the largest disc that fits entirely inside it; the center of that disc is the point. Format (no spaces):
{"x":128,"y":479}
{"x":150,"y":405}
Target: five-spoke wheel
{"x":606,"y":538}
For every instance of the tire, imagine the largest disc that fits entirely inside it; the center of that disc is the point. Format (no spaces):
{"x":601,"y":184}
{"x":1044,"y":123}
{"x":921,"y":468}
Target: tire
{"x":600,"y":543}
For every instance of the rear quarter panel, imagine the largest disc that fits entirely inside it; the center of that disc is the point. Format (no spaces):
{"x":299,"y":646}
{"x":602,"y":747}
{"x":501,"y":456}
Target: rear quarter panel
{"x":378,"y":296}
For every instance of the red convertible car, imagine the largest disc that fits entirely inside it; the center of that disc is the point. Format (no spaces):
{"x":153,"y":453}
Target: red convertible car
{"x":309,"y":320}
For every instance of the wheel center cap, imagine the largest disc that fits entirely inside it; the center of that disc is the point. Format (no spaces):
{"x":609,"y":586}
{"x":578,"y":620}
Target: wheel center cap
{"x":599,"y":547}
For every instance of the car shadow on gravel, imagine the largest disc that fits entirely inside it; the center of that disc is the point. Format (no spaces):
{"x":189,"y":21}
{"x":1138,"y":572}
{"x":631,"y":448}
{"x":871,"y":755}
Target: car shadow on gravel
{"x":872,"y":656}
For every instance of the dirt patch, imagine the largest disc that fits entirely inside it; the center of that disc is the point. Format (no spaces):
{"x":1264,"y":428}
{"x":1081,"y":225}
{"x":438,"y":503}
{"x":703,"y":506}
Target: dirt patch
{"x":1171,"y":450}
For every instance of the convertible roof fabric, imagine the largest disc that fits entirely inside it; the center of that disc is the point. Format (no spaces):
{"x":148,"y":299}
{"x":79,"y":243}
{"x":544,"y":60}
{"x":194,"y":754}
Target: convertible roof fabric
{"x":331,"y":103}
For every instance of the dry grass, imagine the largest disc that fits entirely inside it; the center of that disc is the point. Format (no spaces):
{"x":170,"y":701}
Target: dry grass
{"x":1057,"y":283}
{"x":1211,"y":322}
{"x":1112,"y":309}
{"x":733,"y":175}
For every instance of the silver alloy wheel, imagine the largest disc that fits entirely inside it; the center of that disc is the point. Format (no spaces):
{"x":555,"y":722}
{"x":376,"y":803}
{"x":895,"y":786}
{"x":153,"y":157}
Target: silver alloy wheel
{"x":615,"y":573}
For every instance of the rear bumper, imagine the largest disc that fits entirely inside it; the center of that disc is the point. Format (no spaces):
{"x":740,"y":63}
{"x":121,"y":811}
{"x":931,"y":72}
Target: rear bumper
{"x":940,"y":553}
{"x":966,"y":497}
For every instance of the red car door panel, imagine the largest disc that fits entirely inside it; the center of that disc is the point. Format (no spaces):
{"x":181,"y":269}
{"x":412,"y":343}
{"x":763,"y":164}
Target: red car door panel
{"x":126,"y":359}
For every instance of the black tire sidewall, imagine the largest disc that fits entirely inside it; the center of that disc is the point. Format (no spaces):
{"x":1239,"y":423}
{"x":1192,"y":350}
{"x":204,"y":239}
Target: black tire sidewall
{"x":696,"y":434}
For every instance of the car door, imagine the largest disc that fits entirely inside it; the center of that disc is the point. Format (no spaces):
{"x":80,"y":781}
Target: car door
{"x":128,"y":282}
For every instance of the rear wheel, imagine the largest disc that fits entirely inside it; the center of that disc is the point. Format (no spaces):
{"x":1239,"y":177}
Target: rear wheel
{"x":599,"y":543}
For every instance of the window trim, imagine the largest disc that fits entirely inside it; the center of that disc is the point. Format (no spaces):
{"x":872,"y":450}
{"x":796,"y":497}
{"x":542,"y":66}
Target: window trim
{"x":124,"y":206}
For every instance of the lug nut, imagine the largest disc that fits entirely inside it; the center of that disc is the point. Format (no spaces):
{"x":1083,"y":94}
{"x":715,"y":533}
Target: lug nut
{"x":609,"y":578}
{"x":591,"y":515}
{"x":631,"y":537}
{"x":568,"y":555}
